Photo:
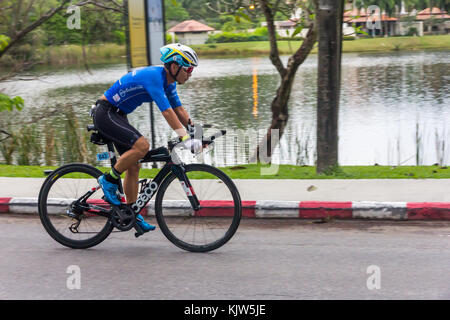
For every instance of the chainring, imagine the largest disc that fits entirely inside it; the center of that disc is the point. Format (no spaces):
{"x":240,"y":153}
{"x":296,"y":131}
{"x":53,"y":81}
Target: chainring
{"x":122,"y":217}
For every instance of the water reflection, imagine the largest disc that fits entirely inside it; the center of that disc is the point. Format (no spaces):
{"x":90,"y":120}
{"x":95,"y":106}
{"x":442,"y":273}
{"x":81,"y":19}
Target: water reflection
{"x":394,"y":108}
{"x":255,"y":87}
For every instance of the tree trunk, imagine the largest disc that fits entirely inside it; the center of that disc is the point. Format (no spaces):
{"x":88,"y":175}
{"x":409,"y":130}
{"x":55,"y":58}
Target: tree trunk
{"x":279,"y":106}
{"x":330,"y":14}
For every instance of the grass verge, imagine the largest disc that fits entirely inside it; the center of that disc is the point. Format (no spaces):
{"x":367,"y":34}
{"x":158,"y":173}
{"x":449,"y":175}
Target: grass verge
{"x":438,"y":42}
{"x":72,"y":55}
{"x":253,"y":171}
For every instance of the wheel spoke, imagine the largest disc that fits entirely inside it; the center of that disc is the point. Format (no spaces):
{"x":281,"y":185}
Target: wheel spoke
{"x":56,"y":197}
{"x":210,"y":227}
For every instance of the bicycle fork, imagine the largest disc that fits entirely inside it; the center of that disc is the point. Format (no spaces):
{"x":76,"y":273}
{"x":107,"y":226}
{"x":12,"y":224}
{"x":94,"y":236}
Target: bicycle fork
{"x":180,"y":172}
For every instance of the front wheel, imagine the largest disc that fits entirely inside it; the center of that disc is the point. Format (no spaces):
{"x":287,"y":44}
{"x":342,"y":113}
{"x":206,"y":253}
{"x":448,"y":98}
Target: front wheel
{"x":213,"y":224}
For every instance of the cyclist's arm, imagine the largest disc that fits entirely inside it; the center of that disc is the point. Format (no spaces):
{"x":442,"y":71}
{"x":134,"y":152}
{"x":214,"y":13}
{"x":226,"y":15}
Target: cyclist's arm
{"x":175,"y":102}
{"x":164,"y":105}
{"x":183,"y":116}
{"x":174,"y":122}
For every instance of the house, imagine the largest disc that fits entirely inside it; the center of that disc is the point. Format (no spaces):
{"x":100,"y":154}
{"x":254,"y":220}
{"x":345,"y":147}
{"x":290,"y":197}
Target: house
{"x":381,"y":22}
{"x":428,"y":21}
{"x":190,"y":32}
{"x":286,"y":28}
{"x":436,"y":21}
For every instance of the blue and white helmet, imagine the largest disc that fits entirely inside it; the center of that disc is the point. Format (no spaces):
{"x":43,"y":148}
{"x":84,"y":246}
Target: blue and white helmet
{"x":179,"y":53}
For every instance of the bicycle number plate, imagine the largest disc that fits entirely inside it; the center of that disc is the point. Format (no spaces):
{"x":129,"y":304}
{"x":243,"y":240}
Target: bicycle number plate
{"x":105,"y":155}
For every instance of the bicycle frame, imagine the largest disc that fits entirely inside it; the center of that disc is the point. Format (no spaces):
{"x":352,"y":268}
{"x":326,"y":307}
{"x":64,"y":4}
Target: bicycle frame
{"x":160,"y":154}
{"x":148,"y":190}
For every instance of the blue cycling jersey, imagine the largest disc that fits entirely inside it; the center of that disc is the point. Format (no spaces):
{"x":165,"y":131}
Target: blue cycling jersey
{"x":143,"y":85}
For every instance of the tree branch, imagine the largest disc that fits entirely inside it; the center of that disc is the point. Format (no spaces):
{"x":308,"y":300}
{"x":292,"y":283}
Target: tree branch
{"x":302,"y":53}
{"x":274,"y":53}
{"x":19,"y":36}
{"x":101,"y":5}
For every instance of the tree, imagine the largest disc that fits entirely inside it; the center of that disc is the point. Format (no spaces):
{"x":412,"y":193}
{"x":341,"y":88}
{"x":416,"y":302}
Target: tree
{"x":22,"y":17}
{"x":174,"y":11}
{"x":19,"y":19}
{"x":21,"y":25}
{"x":269,"y":9}
{"x":330,"y":15}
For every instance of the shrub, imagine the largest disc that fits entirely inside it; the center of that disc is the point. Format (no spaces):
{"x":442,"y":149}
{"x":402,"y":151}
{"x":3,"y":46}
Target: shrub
{"x":235,"y":37}
{"x":413,"y":32}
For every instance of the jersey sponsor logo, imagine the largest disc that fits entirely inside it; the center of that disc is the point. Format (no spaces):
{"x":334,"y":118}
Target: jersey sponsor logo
{"x":116,"y":97}
{"x":124,"y":92}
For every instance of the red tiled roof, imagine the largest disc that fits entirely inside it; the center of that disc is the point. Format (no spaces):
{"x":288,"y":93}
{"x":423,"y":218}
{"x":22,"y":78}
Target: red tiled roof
{"x":432,"y":13}
{"x":363,"y":18}
{"x":434,"y":10}
{"x":288,"y":23}
{"x":190,"y":26}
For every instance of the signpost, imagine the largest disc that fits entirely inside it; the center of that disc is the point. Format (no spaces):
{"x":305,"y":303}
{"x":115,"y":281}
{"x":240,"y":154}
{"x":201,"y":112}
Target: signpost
{"x":145,"y":35}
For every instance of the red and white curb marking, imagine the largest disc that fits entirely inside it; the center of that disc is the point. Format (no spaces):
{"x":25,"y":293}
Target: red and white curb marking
{"x":275,"y":209}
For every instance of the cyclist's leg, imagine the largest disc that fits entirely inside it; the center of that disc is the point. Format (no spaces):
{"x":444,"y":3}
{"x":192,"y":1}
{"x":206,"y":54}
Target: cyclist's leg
{"x":132,"y":156}
{"x":134,"y":146}
{"x":130,"y":184}
{"x":130,"y":181}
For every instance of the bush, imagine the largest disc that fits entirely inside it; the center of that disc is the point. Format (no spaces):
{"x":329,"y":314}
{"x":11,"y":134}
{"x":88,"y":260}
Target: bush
{"x":289,"y":38}
{"x":413,"y":32}
{"x":119,"y":37}
{"x":226,"y":37}
{"x":262,"y":31}
{"x":169,"y":38}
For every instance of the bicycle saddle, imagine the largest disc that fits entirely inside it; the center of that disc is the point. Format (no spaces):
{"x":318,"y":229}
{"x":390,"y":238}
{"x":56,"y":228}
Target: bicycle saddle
{"x":97,"y":137}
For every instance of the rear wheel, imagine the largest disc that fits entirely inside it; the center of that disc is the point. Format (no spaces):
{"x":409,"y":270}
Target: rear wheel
{"x":62,"y":217}
{"x":208,"y":228}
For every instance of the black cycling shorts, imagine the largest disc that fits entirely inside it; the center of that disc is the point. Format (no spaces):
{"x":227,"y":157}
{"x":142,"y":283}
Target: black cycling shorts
{"x":114,"y":125}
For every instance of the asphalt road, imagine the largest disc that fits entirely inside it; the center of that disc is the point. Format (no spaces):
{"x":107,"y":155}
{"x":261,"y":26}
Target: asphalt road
{"x":267,"y":259}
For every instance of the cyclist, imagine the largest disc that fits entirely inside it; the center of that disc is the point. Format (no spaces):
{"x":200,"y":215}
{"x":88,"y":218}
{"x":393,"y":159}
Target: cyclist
{"x":154,"y":83}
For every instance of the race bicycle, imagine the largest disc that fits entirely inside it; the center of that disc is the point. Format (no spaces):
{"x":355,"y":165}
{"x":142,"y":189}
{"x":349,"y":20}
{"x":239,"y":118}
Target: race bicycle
{"x":197,"y":206}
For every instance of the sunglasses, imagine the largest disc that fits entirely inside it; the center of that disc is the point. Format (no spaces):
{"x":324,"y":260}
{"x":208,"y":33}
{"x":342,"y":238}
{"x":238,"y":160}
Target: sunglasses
{"x":188,"y":69}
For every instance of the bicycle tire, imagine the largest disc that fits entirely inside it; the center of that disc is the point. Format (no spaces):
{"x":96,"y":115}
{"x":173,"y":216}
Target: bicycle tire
{"x":231,"y":212}
{"x":45,"y":206}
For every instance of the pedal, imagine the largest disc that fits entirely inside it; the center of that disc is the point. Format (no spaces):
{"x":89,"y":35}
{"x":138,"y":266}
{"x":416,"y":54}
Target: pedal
{"x":139,"y":231}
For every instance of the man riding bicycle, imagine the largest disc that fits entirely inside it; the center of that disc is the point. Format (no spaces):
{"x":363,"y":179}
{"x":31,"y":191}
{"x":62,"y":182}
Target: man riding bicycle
{"x":154,"y":83}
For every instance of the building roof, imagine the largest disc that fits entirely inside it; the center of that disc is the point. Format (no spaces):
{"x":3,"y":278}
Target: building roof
{"x":433,"y":10}
{"x":288,"y":23}
{"x":362,"y":16}
{"x":190,"y":26}
{"x":432,"y":13}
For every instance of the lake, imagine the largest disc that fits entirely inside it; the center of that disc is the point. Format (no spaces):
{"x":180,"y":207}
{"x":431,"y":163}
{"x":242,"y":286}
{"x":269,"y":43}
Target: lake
{"x":394,"y":108}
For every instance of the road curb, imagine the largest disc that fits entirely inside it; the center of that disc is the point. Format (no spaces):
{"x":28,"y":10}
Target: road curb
{"x":369,"y":210}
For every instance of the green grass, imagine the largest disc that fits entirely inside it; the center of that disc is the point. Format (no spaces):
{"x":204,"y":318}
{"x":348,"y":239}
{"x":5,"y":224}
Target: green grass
{"x":253,"y":171}
{"x":71,"y":55}
{"x":439,"y":42}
